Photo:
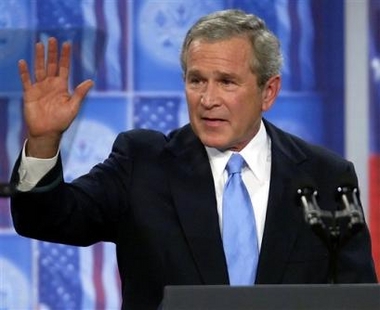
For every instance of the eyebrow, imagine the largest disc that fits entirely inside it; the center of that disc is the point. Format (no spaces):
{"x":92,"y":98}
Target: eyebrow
{"x":217,"y":73}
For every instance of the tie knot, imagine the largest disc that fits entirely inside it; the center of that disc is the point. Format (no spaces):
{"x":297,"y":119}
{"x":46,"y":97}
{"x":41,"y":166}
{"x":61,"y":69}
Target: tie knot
{"x":235,"y":164}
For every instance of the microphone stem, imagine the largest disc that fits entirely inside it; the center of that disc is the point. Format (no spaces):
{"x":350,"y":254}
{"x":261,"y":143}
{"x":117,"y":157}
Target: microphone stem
{"x":333,"y":249}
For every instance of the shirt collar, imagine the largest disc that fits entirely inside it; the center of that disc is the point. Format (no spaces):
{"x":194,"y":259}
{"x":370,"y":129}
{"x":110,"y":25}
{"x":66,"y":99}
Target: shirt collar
{"x":256,"y":154}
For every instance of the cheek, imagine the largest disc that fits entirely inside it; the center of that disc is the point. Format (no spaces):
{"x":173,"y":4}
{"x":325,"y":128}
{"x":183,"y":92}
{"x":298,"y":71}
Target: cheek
{"x":192,"y":101}
{"x":246,"y":112}
{"x":191,"y":109}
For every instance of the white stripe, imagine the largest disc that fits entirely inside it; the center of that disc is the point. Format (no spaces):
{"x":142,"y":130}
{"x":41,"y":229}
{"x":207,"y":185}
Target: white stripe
{"x":357,"y":92}
{"x":109,"y":277}
{"x":89,"y":37}
{"x":86,"y":264}
{"x":284,"y":33}
{"x":112,"y":48}
{"x":306,"y":46}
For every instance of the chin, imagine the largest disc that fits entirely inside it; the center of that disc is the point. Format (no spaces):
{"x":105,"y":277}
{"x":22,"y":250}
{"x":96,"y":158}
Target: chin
{"x":214,"y":143}
{"x":212,"y":137}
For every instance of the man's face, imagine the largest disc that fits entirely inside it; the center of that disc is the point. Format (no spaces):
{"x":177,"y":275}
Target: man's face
{"x":225,"y":103}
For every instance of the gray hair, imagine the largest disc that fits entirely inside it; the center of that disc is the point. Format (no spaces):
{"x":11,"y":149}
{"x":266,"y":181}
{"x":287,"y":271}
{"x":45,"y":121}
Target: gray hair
{"x":222,"y":25}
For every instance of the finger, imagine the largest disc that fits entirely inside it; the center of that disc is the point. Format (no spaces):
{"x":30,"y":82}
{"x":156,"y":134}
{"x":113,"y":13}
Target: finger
{"x":24,"y":74}
{"x":64,"y":61}
{"x":80,"y":92}
{"x":52,"y":57}
{"x":39,"y":63}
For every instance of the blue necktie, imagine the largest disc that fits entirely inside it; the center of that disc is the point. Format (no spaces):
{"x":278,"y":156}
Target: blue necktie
{"x":239,"y":227}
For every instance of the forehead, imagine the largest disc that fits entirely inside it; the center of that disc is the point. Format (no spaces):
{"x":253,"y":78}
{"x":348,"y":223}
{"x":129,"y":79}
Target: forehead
{"x":239,"y":44}
{"x":236,"y":51}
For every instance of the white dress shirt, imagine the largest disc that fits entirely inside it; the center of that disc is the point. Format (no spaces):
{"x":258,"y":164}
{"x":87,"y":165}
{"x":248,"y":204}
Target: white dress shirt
{"x":32,"y":170}
{"x":256,"y":175}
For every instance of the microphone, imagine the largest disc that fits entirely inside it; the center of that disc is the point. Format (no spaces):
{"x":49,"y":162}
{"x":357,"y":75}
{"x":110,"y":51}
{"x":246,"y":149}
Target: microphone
{"x":312,"y":212}
{"x":317,"y":219}
{"x":348,"y":197}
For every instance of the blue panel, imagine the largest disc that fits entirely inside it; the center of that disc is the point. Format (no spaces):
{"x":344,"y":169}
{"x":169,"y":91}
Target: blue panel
{"x":299,"y":114}
{"x":98,"y":32}
{"x":16,"y":285}
{"x":89,"y":139}
{"x":159,"y":113}
{"x":159,"y":29}
{"x":374,"y":75}
{"x":15,"y":41}
{"x":265,"y":9}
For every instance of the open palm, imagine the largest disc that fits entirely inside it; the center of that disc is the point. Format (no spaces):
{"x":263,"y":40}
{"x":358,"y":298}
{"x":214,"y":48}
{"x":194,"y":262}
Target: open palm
{"x":49,"y":107}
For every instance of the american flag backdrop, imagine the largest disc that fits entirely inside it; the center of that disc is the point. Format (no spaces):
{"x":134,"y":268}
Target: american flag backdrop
{"x":374,"y":160}
{"x":11,"y":138}
{"x":4,"y":161}
{"x":160,"y":114}
{"x":16,"y":263}
{"x":98,"y":31}
{"x":84,"y":277}
{"x":77,"y":278}
{"x":130,"y":49}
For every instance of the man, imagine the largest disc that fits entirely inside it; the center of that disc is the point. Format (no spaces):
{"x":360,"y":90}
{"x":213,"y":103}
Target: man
{"x":159,"y":198}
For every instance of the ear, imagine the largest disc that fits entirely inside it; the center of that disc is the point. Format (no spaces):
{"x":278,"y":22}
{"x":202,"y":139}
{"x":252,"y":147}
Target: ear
{"x":270,"y":92}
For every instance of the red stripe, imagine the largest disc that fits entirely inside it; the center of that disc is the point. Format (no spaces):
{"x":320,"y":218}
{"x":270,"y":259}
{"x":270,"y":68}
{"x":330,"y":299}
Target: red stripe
{"x":99,"y":53}
{"x":374,"y":211}
{"x":4,"y":162}
{"x":123,"y":50}
{"x":118,"y":281}
{"x":98,"y":279}
{"x":5,"y":219}
{"x":295,"y":45}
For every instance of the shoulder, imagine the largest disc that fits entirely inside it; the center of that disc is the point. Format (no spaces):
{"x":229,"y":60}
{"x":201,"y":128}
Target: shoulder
{"x":147,"y":140}
{"x":298,"y":148}
{"x":321,"y":163}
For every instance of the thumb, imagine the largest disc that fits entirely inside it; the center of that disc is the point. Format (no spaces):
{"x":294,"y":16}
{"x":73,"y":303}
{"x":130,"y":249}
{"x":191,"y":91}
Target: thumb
{"x":81,"y":91}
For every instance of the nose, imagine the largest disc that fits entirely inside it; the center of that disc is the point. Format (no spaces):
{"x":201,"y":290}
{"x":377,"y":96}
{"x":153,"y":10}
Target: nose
{"x":209,"y":97}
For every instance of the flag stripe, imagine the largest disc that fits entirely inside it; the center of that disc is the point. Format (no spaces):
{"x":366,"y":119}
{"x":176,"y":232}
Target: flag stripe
{"x":4,"y":164}
{"x":101,"y":25}
{"x":4,"y":161}
{"x":85,"y":271}
{"x":374,"y":200}
{"x":111,"y":278}
{"x":123,"y":50}
{"x":97,"y":274}
{"x":12,"y":133}
{"x":112,"y":52}
{"x":374,"y":157}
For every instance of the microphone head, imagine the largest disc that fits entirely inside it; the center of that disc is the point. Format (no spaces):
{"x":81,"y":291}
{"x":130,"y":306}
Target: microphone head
{"x":306,"y":191}
{"x":349,"y":205}
{"x":305,"y":186}
{"x":347,"y":186}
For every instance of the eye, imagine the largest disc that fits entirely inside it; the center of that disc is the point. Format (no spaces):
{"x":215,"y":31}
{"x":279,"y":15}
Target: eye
{"x":226,"y":81}
{"x":194,"y":80}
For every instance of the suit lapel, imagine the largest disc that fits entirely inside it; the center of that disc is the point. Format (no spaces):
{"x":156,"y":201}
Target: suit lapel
{"x":284,"y":216}
{"x":194,"y":197}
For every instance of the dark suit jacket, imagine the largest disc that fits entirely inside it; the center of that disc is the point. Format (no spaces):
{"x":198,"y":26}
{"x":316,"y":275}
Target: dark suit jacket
{"x":154,"y":197}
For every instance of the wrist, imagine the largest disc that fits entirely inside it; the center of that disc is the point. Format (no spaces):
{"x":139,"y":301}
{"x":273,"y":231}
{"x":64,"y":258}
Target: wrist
{"x":42,"y":147}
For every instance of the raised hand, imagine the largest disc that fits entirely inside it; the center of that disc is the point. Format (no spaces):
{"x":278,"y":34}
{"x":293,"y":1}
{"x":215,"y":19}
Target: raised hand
{"x":49,"y":107}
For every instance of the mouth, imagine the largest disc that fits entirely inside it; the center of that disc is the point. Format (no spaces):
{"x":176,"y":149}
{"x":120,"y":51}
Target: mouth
{"x":213,"y":122}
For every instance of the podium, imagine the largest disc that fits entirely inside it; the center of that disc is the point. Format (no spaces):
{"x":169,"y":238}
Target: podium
{"x":273,"y":297}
